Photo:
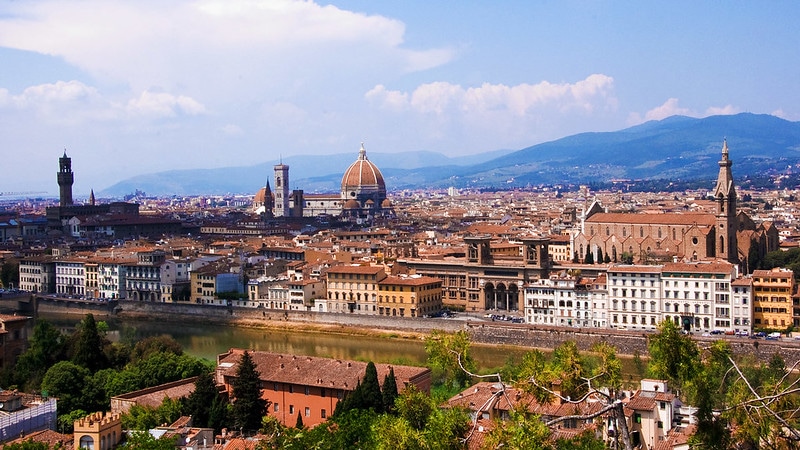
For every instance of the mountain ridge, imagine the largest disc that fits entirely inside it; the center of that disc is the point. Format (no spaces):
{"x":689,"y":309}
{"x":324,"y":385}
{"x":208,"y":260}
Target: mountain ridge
{"x":675,"y":148}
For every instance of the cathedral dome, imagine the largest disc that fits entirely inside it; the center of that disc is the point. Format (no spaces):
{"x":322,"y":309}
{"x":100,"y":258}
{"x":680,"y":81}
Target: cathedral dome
{"x":260,"y":196}
{"x":362,"y":177}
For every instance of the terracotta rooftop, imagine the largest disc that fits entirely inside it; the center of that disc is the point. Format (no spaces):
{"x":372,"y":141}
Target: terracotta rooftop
{"x":313,"y":371}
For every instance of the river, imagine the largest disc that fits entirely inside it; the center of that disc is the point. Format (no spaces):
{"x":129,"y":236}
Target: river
{"x":207,"y":341}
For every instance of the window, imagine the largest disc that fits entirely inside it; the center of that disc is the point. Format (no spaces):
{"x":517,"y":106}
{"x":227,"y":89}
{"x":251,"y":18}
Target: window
{"x":275,"y":407}
{"x":323,"y":414}
{"x":308,"y":412}
{"x":307,"y":390}
{"x":291,"y":409}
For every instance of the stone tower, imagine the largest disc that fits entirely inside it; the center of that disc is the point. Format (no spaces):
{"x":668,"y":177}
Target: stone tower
{"x":281,"y":190}
{"x":725,"y":196}
{"x":65,"y":180}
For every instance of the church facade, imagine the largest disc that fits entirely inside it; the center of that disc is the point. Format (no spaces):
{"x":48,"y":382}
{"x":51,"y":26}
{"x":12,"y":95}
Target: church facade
{"x":644,"y":238}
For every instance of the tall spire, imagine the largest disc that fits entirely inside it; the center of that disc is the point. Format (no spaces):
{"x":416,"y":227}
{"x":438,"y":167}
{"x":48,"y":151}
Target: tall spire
{"x":91,"y":198}
{"x":725,"y":197}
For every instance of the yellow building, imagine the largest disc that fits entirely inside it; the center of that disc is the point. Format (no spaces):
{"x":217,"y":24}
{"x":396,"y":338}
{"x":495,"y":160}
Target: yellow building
{"x":772,"y":298}
{"x":412,"y":296}
{"x":354,"y":289}
{"x":98,"y":431}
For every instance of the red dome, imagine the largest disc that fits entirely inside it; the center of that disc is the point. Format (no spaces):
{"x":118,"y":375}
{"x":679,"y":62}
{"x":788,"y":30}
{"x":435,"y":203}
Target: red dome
{"x":362,"y":174}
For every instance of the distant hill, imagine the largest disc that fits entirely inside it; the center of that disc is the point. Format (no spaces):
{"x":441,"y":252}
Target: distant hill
{"x":312,"y":173}
{"x":675,"y":148}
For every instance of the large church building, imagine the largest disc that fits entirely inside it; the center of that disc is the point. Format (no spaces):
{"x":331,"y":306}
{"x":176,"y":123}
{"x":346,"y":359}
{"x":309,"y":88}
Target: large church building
{"x":641,"y":238}
{"x":362,"y":194}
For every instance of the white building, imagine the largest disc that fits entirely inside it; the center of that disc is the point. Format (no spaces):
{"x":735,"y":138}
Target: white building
{"x":697,"y":296}
{"x":70,"y":277}
{"x":634,"y":296}
{"x":742,"y":304}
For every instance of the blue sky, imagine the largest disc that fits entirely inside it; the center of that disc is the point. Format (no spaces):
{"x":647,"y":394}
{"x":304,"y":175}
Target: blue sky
{"x":139,"y":87}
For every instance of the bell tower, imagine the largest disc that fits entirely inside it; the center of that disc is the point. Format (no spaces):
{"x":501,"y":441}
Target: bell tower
{"x":65,"y":180}
{"x":725,"y":196}
{"x":281,"y":190}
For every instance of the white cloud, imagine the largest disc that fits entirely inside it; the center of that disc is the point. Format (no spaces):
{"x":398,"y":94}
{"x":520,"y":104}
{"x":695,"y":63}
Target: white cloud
{"x":726,"y":110}
{"x":214,"y":47}
{"x":672,"y":108}
{"x":669,"y":108}
{"x":160,"y":104}
{"x":72,"y":102}
{"x":521,"y":100}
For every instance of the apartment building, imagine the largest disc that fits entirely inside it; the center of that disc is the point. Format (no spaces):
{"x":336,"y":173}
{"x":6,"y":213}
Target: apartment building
{"x":742,"y":304}
{"x":409,"y":296}
{"x":772,"y":298}
{"x":634,"y":296}
{"x":354,"y":289}
{"x":70,"y":277}
{"x":37,"y":274}
{"x":697,"y":296}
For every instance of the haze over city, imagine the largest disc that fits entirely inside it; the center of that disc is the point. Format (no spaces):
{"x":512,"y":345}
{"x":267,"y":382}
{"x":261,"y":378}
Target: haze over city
{"x":133,"y":88}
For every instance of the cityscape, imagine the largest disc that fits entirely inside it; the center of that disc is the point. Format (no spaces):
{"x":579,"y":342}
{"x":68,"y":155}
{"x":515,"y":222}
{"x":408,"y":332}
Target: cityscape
{"x":289,"y":224}
{"x":580,"y":262}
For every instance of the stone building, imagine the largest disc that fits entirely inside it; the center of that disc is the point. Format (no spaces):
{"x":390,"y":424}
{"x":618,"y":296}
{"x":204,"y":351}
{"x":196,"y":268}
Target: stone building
{"x":482,"y":281}
{"x":645,"y":238}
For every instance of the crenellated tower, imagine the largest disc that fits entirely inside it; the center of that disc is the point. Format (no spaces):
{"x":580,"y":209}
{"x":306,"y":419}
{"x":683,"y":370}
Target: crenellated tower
{"x":725,"y":195}
{"x":65,"y":180}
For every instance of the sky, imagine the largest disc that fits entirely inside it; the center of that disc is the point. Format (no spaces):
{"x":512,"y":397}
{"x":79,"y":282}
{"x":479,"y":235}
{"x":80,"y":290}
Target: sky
{"x":129,"y":88}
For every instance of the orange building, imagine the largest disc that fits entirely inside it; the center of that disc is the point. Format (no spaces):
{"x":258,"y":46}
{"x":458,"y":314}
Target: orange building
{"x":310,"y":386}
{"x":772,"y":298}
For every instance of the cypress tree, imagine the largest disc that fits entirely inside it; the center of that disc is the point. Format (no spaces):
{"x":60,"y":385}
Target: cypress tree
{"x":299,"y":425}
{"x":89,"y":346}
{"x":200,"y":401}
{"x":248,"y":406}
{"x":389,"y":391}
{"x":599,"y":255}
{"x":371,"y":389}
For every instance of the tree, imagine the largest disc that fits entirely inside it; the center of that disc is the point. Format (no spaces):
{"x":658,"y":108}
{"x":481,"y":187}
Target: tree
{"x":449,"y":357}
{"x":415,"y":407}
{"x":66,"y":380}
{"x":299,"y":424}
{"x":371,"y":389}
{"x":201,"y":400}
{"x":389,"y":391}
{"x":142,"y":440}
{"x":248,"y":406}
{"x":589,"y":258}
{"x":599,"y":255}
{"x":674,"y":356}
{"x":9,"y":273}
{"x":46,"y":347}
{"x":89,"y":345}
{"x":156,"y":344}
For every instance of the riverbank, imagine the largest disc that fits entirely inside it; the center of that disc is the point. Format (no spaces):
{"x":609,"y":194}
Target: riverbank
{"x":481,"y":332}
